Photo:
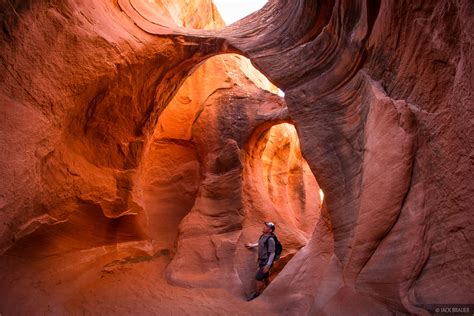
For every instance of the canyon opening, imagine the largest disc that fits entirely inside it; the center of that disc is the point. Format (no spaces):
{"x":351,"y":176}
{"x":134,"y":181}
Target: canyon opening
{"x":145,"y":143}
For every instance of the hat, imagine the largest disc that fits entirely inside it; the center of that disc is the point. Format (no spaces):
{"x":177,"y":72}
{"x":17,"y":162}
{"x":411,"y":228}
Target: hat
{"x":270,"y":225}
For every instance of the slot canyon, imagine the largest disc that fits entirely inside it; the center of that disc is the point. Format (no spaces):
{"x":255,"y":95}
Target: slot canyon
{"x":145,"y":142}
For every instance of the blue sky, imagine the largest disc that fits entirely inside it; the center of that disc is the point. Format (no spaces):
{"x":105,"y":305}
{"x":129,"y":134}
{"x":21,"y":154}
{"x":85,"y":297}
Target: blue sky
{"x":233,"y":10}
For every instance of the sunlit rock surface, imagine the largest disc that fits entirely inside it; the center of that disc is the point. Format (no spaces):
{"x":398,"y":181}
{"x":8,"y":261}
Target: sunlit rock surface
{"x":134,"y":171}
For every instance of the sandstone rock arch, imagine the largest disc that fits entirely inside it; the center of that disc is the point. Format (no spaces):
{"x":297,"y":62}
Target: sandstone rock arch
{"x":381,"y":90}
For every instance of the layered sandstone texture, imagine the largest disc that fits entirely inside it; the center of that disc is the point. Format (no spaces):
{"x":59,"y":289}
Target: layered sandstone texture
{"x":141,"y":150}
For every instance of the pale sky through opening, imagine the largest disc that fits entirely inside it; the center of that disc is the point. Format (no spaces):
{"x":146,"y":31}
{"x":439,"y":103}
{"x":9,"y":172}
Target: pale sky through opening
{"x":234,"y":10}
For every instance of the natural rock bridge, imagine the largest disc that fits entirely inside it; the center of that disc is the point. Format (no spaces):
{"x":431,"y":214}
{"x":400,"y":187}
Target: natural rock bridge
{"x":144,"y":143}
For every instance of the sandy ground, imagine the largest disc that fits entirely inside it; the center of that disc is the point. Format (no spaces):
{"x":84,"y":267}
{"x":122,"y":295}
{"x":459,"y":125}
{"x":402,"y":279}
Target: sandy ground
{"x":119,"y":280}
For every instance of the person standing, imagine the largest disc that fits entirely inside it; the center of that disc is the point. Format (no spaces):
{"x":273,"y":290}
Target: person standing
{"x":266,"y":256}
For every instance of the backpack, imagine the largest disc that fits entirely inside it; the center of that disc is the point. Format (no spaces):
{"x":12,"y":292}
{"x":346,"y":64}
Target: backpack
{"x":278,"y":246}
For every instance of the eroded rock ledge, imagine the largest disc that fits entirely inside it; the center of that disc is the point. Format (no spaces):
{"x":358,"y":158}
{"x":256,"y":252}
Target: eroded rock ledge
{"x":380,"y":94}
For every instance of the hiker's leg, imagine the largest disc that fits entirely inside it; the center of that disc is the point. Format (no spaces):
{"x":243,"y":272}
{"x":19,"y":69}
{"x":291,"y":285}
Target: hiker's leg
{"x":260,"y":286}
{"x":267,"y":282}
{"x":260,"y":280}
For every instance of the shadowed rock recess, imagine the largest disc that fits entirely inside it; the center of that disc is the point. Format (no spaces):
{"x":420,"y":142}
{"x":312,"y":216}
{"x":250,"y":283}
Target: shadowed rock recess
{"x":141,"y":150}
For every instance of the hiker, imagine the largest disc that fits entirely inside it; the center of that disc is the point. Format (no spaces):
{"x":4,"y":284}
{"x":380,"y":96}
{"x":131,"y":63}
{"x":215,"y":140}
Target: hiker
{"x":266,"y":256}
